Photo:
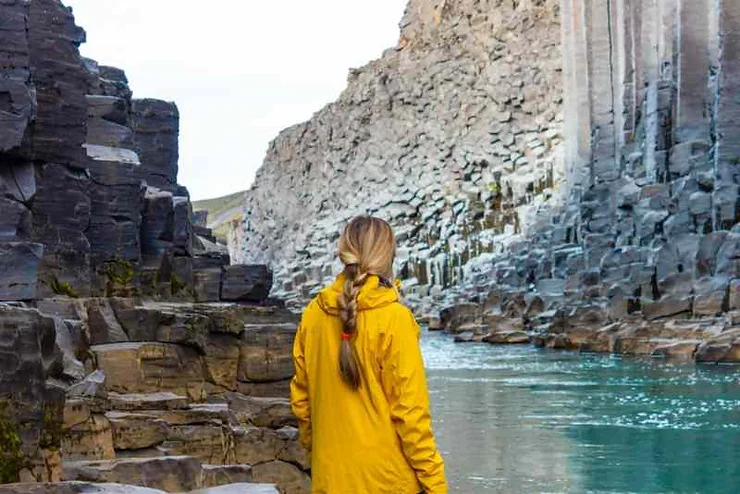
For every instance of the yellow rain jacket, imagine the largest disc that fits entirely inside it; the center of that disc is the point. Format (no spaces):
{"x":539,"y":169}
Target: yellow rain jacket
{"x":377,"y":439}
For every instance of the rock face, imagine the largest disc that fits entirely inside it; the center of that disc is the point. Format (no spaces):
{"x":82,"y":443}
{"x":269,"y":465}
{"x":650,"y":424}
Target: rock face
{"x":88,"y":175}
{"x":112,"y":370}
{"x":31,"y":405}
{"x":453,"y":136}
{"x":612,"y":229}
{"x":641,"y":258}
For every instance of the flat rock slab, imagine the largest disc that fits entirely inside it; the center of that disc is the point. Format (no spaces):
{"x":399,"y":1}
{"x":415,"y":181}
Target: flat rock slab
{"x":108,"y":488}
{"x":169,"y":473}
{"x":147,"y":401}
{"x":240,"y":489}
{"x":150,"y":367}
{"x":75,"y":488}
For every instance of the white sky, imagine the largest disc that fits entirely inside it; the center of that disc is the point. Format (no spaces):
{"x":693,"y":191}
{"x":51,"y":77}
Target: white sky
{"x":239,"y":70}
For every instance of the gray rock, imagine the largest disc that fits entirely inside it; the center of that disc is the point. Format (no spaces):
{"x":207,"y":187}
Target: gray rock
{"x":246,"y":283}
{"x":29,"y":361}
{"x":156,"y":127}
{"x":20,"y":266}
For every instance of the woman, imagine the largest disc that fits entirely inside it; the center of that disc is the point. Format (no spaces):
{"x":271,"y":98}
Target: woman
{"x":359,"y":391}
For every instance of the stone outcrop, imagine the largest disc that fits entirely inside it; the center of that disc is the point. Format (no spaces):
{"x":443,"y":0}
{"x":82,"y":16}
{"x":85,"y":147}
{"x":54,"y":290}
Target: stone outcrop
{"x":174,"y":397}
{"x":88,"y":176}
{"x":131,"y":351}
{"x":453,"y":136}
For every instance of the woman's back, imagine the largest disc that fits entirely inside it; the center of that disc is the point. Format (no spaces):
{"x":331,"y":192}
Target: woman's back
{"x":376,"y":438}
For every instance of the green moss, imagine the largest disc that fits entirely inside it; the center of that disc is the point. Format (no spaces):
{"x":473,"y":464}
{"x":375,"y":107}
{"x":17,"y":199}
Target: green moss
{"x":176,"y":286}
{"x":51,"y":433}
{"x":63,"y":288}
{"x":12,"y":458}
{"x":119,"y":274}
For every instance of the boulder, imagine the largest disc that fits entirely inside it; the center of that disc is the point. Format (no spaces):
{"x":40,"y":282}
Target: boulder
{"x":165,"y":400}
{"x":171,"y":474}
{"x":136,"y":430}
{"x":222,"y":475}
{"x":103,"y":324}
{"x":89,"y":440}
{"x":266,"y":352}
{"x":288,"y":478}
{"x":246,"y":283}
{"x":151,"y":367}
{"x":209,"y":442}
{"x":710,"y":295}
{"x":207,"y":272}
{"x":507,"y":337}
{"x":261,"y":412}
{"x":723,"y":348}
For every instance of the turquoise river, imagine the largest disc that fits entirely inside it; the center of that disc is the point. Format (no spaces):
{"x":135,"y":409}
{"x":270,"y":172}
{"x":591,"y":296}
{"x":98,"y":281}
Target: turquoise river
{"x":520,"y":419}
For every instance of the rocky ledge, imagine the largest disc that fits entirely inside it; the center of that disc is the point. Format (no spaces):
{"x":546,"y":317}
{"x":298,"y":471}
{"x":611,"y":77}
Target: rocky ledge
{"x":173,"y":396}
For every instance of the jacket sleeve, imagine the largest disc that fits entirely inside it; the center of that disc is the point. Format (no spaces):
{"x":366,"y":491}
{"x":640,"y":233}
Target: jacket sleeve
{"x":404,"y":383}
{"x":299,"y":400}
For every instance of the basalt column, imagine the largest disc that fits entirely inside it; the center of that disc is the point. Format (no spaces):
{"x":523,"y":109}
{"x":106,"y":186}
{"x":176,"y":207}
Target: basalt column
{"x":61,"y":207}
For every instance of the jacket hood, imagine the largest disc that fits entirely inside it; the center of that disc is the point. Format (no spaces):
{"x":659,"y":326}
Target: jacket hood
{"x":372,"y":295}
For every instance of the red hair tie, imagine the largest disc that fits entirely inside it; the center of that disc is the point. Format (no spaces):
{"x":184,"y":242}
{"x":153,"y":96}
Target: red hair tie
{"x":346,"y":336}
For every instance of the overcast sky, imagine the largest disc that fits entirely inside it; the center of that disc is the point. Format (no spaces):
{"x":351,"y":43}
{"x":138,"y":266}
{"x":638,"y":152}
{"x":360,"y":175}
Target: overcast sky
{"x":239,"y":70}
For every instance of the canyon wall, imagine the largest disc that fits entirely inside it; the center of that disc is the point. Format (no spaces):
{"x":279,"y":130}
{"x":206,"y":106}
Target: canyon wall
{"x":453,"y":136}
{"x":115,"y":367}
{"x":565,"y":173}
{"x":643,"y":257}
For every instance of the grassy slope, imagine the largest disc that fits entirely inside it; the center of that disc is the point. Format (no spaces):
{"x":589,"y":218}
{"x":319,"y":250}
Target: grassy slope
{"x":221,"y":211}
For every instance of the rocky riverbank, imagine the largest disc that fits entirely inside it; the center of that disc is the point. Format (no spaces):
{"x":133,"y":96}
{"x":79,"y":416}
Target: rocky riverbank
{"x":131,"y":350}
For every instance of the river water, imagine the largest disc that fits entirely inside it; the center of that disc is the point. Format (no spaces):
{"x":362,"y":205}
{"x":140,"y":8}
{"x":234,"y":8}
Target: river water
{"x":520,"y":419}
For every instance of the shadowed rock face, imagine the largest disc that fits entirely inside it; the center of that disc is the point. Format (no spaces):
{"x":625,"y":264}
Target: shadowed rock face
{"x":453,"y":136}
{"x":31,"y":408}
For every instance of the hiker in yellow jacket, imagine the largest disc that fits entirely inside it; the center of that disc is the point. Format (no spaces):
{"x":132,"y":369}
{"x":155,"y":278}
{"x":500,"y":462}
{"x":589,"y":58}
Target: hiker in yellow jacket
{"x":360,"y":391}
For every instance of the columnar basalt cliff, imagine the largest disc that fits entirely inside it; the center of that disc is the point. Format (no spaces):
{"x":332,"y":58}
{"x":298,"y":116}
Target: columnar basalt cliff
{"x":131,"y":351}
{"x":619,"y":238}
{"x":643,"y":259}
{"x":453,"y":136}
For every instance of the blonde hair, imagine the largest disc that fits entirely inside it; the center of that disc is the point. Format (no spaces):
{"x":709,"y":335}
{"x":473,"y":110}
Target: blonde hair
{"x":367,"y":247}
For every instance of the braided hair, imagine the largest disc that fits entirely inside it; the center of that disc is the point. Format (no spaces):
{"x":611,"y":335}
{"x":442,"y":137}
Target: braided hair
{"x":366,"y":247}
